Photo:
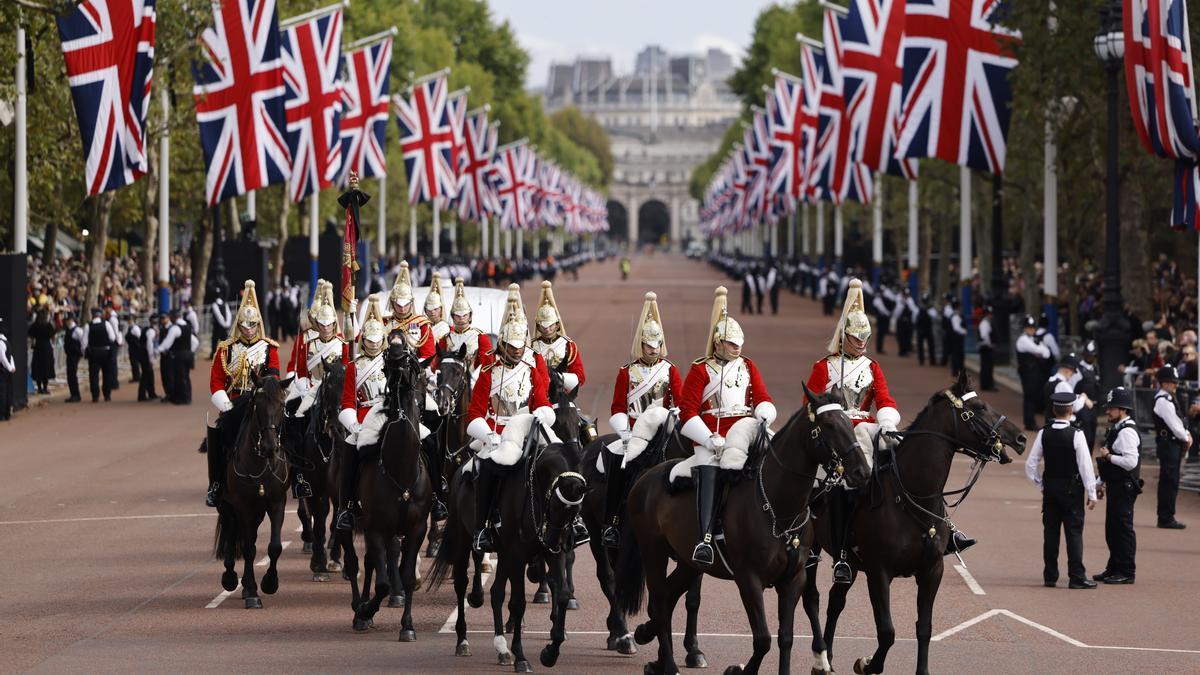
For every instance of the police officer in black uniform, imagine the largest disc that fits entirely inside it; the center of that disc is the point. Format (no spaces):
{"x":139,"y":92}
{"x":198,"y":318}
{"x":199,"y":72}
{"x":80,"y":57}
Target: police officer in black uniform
{"x":925,"y":341}
{"x":98,"y":343}
{"x":181,"y":355}
{"x":1087,"y":383}
{"x":1121,"y":483}
{"x":1066,"y":478}
{"x":1030,"y":352}
{"x":139,"y":356}
{"x":73,"y":346}
{"x":1173,"y":439}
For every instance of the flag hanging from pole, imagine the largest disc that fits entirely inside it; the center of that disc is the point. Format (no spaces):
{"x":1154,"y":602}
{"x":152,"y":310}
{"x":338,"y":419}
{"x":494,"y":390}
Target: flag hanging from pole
{"x":351,"y":200}
{"x":427,"y":139}
{"x":364,"y":121}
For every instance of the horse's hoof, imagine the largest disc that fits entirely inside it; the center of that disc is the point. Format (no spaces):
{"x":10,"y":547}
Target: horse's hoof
{"x":229,"y":580}
{"x":572,"y":604}
{"x":361,"y":626}
{"x":463,"y":649}
{"x":541,"y":597}
{"x":522,"y":666}
{"x":861,"y":665}
{"x":549,"y":656}
{"x":395,"y":601}
{"x":333,"y":566}
{"x":307,"y":547}
{"x":643,"y":634}
{"x":346,"y":575}
{"x":696,"y":660}
{"x":320,"y":577}
{"x":651,"y":668}
{"x":253,"y":603}
{"x":408,"y":635}
{"x":734,"y":670}
{"x":626,"y":647}
{"x":270,"y":582}
{"x":505,"y":659}
{"x":475,"y":600}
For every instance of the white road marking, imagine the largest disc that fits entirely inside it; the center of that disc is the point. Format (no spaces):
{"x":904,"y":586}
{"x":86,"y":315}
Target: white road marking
{"x":216,"y":602}
{"x":1051,"y":632}
{"x":971,"y":583}
{"x":267,"y":558}
{"x":93,"y":519}
{"x":448,"y":627}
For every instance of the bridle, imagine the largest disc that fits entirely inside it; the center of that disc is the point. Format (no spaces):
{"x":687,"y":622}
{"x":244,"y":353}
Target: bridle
{"x":262,"y":431}
{"x":550,"y":533}
{"x":405,"y":363}
{"x":452,"y":393}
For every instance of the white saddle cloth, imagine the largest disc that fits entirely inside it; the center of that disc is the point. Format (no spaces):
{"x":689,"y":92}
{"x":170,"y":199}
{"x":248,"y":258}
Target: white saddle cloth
{"x":643,"y":432}
{"x":732,"y":457}
{"x":372,"y":426}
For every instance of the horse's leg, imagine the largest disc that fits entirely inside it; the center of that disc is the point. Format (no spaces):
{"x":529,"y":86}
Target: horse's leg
{"x":542,"y":595}
{"x":249,"y":532}
{"x":270,"y":580}
{"x":304,"y":513}
{"x":408,"y":577}
{"x":319,"y":563}
{"x":376,"y":562}
{"x":660,"y":605}
{"x":516,"y":612}
{"x":504,"y":573}
{"x":812,"y":607}
{"x":462,"y":647}
{"x":928,"y":582}
{"x":789,"y":597}
{"x":619,"y":638}
{"x":476,"y":596}
{"x":695,"y":657}
{"x":837,"y":602}
{"x":572,"y":603}
{"x":556,"y":576}
{"x":350,"y":573}
{"x":879,"y":586}
{"x":751,"y":591}
{"x":396,"y":595}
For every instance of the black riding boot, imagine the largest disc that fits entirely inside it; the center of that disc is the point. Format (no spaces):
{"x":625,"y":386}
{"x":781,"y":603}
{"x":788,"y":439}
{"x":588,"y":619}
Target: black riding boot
{"x":216,"y":462}
{"x":429,"y":448}
{"x":612,"y":500}
{"x":839,"y":500}
{"x":344,"y":518}
{"x":958,"y":543}
{"x":485,"y":492}
{"x":705,"y":478}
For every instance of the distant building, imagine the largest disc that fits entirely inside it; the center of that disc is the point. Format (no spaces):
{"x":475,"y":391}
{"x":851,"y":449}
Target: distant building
{"x":650,"y":59}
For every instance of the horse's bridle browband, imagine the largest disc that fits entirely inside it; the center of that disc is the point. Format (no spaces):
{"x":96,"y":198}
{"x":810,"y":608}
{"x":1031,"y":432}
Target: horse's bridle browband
{"x":541,"y":522}
{"x":270,"y":428}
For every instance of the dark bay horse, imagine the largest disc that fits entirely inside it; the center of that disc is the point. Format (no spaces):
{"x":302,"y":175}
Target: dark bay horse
{"x":539,"y":499}
{"x":395,"y":493}
{"x":256,"y":486}
{"x":314,"y":437}
{"x":452,"y":396}
{"x":767,"y":530}
{"x":904,"y":529}
{"x":667,"y":444}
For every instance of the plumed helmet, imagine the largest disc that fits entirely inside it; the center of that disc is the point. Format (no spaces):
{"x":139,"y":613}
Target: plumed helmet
{"x":248,"y":313}
{"x":373,"y":329}
{"x":434,"y":299}
{"x":402,"y":290}
{"x":326,"y":315}
{"x":854,"y":319}
{"x":547,"y":312}
{"x":722,"y":327}
{"x":317,"y":299}
{"x":650,"y":329}
{"x":460,"y":305}
{"x":1119,"y":397}
{"x":515,"y":330}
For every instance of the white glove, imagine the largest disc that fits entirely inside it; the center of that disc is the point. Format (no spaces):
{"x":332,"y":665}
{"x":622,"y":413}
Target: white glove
{"x":765,"y":411}
{"x":480,"y":431}
{"x":696,"y":431}
{"x":354,"y":306}
{"x":545,"y":415}
{"x":619,"y":422}
{"x":349,"y":419}
{"x":570,"y":381}
{"x":494,"y":440}
{"x":221,"y":402}
{"x":715,"y":443}
{"x":888,"y":418}
{"x":625,"y":436}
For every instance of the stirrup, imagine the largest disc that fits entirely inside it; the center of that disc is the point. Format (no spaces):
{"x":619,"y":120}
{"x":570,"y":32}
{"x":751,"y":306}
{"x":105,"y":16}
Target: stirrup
{"x":344,"y":519}
{"x":210,"y":499}
{"x":302,"y":489}
{"x":842,"y":574}
{"x":582,"y":536}
{"x":703,"y":554}
{"x":611,"y":538}
{"x":958,"y":543}
{"x":482,"y":541}
{"x":439,"y":512}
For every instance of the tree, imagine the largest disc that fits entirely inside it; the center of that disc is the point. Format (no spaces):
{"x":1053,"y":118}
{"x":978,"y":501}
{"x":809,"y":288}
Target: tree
{"x":589,"y":135}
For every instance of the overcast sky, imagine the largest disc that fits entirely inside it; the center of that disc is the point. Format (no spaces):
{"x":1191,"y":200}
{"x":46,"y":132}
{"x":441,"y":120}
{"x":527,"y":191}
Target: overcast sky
{"x":560,"y":30}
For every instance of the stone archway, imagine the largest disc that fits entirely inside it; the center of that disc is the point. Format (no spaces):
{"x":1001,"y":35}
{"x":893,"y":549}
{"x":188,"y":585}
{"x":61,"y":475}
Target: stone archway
{"x":654,"y":222}
{"x":618,"y":221}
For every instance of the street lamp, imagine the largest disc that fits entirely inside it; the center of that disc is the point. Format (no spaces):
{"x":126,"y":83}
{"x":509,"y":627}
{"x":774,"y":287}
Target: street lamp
{"x":1109,"y":44}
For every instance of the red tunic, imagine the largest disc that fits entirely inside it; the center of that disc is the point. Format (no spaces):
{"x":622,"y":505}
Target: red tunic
{"x":620,"y":400}
{"x":877,"y":395}
{"x":425,"y":345}
{"x":297,"y":347}
{"x":574,"y":362}
{"x":481,"y":398}
{"x":691,"y":401}
{"x":350,"y":392}
{"x":301,"y":358}
{"x":218,"y":380}
{"x":484,"y":356}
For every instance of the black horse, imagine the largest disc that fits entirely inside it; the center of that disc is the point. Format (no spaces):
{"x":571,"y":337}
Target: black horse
{"x":539,"y":499}
{"x":315,"y":436}
{"x":667,"y":444}
{"x":395,"y":493}
{"x":256,"y":485}
{"x":767,"y":532}
{"x":903,"y":529}
{"x":448,"y":423}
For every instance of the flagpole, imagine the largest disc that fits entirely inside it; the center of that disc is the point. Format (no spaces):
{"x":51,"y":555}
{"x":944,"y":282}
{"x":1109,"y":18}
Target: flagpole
{"x":20,"y":163}
{"x":483,"y":236}
{"x":791,"y":235}
{"x":803,"y":209}
{"x":252,"y":205}
{"x":877,"y":231}
{"x":437,"y":228}
{"x":1050,"y":231}
{"x":821,"y":233}
{"x":453,"y":234}
{"x":520,"y":243}
{"x":164,"y":206}
{"x":314,"y":211}
{"x":838,"y":241}
{"x":964,"y":238}
{"x":371,"y":39}
{"x":314,"y":14}
{"x":914,"y":259}
{"x":381,"y":244}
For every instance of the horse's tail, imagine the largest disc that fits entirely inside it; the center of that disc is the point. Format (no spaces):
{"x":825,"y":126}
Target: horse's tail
{"x":629,"y":574}
{"x":452,"y":548}
{"x":225,"y":538}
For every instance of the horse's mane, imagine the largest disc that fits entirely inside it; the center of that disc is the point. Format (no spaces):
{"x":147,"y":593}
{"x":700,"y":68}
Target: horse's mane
{"x":270,"y":386}
{"x":818,"y":401}
{"x":958,"y":388}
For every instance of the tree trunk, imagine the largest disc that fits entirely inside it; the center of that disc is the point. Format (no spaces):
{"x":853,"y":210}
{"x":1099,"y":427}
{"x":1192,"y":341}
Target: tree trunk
{"x":50,"y":242}
{"x":925,"y":253}
{"x":1135,"y":252}
{"x":1031,"y":236}
{"x":99,"y":243}
{"x":150,"y":216}
{"x":202,"y":243}
{"x":285,"y":209}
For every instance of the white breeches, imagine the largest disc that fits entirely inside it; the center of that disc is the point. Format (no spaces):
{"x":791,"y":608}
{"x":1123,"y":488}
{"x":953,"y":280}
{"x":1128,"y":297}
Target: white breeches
{"x":732,"y":457}
{"x":644,"y":429}
{"x":864,"y":433}
{"x":372,"y":426}
{"x":512,"y":441}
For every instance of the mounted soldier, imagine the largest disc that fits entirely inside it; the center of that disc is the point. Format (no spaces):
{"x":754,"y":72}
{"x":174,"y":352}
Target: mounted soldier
{"x":309,"y":333}
{"x":516,"y":383}
{"x":241,"y":360}
{"x":552,"y":344}
{"x":723,"y":401}
{"x":434,"y":310}
{"x":648,"y":381}
{"x":326,"y":347}
{"x":479,"y":345}
{"x":417,"y":331}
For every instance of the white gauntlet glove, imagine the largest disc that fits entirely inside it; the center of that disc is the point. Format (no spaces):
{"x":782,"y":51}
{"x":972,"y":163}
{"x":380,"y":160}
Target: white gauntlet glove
{"x":221,"y":402}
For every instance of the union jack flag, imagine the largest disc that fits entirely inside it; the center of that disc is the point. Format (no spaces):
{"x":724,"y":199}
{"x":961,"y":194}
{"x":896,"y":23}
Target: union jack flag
{"x":239,"y":97}
{"x":1159,"y":77}
{"x":510,"y":175}
{"x":872,"y":76}
{"x":476,"y":198}
{"x":108,"y":46}
{"x":550,"y":207}
{"x":364,"y":119}
{"x":456,"y":106}
{"x":792,"y":128}
{"x":838,"y":176}
{"x":427,"y":139}
{"x":758,"y":165}
{"x":957,"y":99}
{"x":312,"y":72}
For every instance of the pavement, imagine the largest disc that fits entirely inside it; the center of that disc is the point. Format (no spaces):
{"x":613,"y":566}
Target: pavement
{"x":109,"y":568}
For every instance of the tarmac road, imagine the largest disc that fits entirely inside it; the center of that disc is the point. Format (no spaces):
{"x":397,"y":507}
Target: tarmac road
{"x":108,"y":568}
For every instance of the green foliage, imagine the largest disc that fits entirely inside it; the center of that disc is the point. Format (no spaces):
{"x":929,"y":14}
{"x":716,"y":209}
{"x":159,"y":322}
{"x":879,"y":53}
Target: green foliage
{"x":588,"y":134}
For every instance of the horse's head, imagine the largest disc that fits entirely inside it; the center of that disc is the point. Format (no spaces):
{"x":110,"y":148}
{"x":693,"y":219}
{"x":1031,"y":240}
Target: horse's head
{"x":557,"y":497}
{"x":330,"y":394}
{"x":267,"y":412}
{"x":986,"y":432}
{"x":453,"y":378}
{"x":405,"y":377}
{"x":833,"y":434}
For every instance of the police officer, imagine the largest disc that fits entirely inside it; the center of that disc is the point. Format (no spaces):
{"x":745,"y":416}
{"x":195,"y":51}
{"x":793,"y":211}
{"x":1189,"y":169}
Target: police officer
{"x":956,"y":337}
{"x":906,"y":317}
{"x":139,"y":342}
{"x":1063,"y":381}
{"x":1173,"y":440}
{"x":180,"y":343}
{"x":925,"y":341}
{"x":8,"y":366}
{"x":1120,"y":486}
{"x":1087,"y":383}
{"x":73,"y":346}
{"x":98,"y":343}
{"x":1066,"y":477}
{"x":1030,"y":353}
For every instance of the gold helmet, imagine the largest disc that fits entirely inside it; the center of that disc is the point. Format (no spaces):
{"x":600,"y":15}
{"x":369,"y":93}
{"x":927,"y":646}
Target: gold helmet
{"x":515,"y":330}
{"x":373,"y":329}
{"x":723,"y":327}
{"x":402,"y":291}
{"x":248,"y":314}
{"x":434,"y":299}
{"x":547,"y":312}
{"x":326,"y":315}
{"x":650,"y":329}
{"x":316,"y":300}
{"x":460,"y":305}
{"x":854,"y":319}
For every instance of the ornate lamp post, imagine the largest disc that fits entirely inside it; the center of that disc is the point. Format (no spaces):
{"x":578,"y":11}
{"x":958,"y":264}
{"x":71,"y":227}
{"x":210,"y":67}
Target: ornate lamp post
{"x":1109,"y":44}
